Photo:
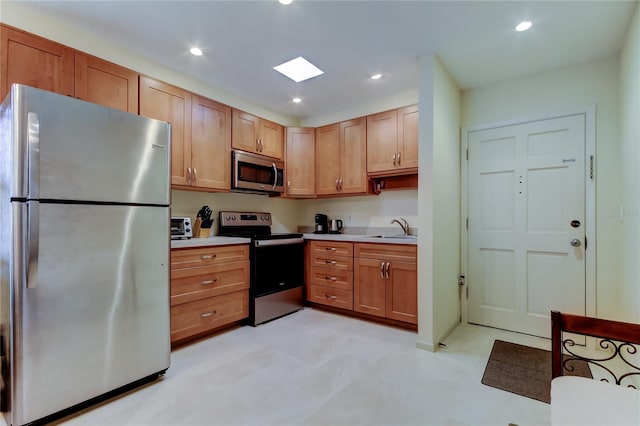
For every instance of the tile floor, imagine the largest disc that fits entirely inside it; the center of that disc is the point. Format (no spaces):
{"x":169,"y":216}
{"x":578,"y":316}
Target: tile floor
{"x":319,"y":368}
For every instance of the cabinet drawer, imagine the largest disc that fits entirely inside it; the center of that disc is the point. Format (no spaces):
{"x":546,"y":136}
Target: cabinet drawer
{"x":331,"y":296}
{"x":331,"y":262}
{"x":332,"y":278}
{"x":198,"y":283}
{"x":403,"y":253}
{"x":189,"y":258}
{"x":334,"y":248}
{"x":196,"y":317}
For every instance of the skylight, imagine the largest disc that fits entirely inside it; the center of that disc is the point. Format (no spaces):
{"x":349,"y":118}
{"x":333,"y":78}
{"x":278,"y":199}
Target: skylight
{"x":299,"y":69}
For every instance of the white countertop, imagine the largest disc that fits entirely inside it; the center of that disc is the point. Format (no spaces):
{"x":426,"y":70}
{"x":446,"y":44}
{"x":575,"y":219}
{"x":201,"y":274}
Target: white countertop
{"x":354,"y":238}
{"x":211,"y":241}
{"x":360,"y":238}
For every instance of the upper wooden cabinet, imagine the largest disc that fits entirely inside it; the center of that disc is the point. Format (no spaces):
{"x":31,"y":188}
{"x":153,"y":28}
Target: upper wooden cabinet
{"x":34,"y":61}
{"x":392,"y":142}
{"x":169,"y":103}
{"x":105,"y":83}
{"x":341,"y":166}
{"x":257,"y":135}
{"x":210,"y":144}
{"x":300,"y":162}
{"x":200,"y":135}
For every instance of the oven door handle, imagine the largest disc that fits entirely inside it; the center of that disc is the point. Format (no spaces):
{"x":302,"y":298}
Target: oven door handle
{"x":282,"y":242}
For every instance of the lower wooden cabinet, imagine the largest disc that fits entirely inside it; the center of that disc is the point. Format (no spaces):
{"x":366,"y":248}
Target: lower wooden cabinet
{"x":330,"y":273}
{"x":209,"y":289}
{"x":196,"y":317}
{"x":386,"y":281}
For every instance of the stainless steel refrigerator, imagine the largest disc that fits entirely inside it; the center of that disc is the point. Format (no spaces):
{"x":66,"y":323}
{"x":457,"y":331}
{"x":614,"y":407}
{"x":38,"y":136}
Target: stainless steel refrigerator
{"x":84,"y":251}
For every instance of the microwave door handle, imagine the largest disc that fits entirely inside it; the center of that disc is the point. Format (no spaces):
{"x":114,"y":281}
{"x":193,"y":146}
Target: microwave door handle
{"x":275,"y":176}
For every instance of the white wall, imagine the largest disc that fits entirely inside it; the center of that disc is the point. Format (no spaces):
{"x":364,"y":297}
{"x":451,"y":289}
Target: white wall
{"x":438,"y":204}
{"x":446,"y":204}
{"x":561,"y":91}
{"x":375,"y":211}
{"x":284,"y":211}
{"x":630,"y":164}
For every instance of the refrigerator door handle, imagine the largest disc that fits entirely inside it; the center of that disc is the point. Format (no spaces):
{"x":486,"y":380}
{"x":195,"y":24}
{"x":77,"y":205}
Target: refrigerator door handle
{"x":33,"y":141}
{"x":32,"y":244}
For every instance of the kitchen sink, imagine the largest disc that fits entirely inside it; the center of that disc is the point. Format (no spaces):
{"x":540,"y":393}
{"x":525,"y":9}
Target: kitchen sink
{"x":403,"y":237}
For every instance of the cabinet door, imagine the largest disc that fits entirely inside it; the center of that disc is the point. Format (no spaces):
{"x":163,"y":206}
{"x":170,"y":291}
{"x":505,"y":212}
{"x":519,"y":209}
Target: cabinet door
{"x":327,"y":159}
{"x":353,"y":156}
{"x":402,"y":292}
{"x":271,"y":136}
{"x":211,"y":144}
{"x":245,"y":131}
{"x":369,"y":287}
{"x":408,"y":137}
{"x":107,"y":84}
{"x":382,"y":141}
{"x":300,"y":162}
{"x":34,"y":61}
{"x":169,"y":103}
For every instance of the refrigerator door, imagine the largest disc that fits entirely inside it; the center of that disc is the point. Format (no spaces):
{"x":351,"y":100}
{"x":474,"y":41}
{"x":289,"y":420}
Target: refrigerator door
{"x":94,"y":314}
{"x":80,"y":151}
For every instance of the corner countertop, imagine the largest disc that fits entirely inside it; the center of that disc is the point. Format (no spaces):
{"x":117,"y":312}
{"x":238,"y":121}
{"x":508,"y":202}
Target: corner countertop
{"x":353,"y":238}
{"x":361,"y":238}
{"x":211,"y":241}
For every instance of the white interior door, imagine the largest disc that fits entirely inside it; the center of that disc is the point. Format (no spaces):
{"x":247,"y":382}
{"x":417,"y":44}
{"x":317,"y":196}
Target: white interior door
{"x":526,"y":237}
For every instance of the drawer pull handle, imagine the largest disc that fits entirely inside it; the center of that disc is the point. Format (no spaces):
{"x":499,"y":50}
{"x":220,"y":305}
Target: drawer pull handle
{"x":330,"y":248}
{"x":328,"y":278}
{"x":387,"y":268}
{"x":330,"y":262}
{"x":207,"y":282}
{"x":382,"y":270}
{"x":207,"y":314}
{"x":331,"y":297}
{"x":207,"y":256}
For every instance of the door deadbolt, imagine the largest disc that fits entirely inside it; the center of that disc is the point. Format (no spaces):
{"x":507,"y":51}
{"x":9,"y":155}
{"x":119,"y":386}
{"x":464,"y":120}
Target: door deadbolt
{"x":575,"y":223}
{"x":576,"y":242}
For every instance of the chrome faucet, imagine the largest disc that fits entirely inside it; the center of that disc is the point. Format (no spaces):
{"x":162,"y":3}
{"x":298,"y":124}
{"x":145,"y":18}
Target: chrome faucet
{"x":404,"y":226}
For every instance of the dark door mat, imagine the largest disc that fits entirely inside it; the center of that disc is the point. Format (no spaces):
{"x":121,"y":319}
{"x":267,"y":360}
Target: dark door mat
{"x":524,"y":370}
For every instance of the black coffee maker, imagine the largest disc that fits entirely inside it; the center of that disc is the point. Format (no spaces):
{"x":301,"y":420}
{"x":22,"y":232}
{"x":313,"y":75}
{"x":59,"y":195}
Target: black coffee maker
{"x":322,"y":224}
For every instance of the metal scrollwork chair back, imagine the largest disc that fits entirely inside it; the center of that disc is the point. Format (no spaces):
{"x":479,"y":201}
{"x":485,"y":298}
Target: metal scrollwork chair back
{"x":619,"y":339}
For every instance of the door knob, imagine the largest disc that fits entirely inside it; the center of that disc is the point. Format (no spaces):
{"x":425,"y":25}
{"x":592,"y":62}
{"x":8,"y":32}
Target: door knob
{"x":576,"y":242}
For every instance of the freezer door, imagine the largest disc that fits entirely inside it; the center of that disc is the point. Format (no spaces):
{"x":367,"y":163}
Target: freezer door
{"x":94,"y":315}
{"x":81,"y":151}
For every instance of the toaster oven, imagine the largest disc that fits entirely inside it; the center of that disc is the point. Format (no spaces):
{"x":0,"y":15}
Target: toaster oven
{"x":181,"y":228}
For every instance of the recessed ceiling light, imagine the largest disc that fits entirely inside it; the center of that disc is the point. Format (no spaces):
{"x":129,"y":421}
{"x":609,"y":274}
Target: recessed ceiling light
{"x":299,"y":69}
{"x":285,"y":1}
{"x":376,"y":76}
{"x":196,"y":51}
{"x":523,"y":26}
{"x":296,"y":100}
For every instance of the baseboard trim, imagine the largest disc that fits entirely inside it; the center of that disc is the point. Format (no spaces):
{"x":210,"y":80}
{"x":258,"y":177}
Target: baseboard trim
{"x":427,"y":346}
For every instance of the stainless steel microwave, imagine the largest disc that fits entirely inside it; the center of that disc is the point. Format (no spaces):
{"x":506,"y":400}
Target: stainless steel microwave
{"x":256,"y":173}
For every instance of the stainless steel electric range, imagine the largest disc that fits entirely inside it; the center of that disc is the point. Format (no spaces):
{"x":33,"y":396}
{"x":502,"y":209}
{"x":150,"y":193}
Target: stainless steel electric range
{"x":277,"y":265}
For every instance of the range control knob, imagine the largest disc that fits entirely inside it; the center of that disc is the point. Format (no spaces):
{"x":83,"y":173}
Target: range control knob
{"x":228,"y":217}
{"x":233,"y":217}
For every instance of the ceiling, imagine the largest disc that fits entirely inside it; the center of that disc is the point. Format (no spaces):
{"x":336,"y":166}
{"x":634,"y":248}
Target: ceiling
{"x":350,"y":40}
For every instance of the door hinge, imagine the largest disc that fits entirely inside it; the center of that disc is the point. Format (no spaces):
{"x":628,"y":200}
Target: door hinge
{"x":467,"y":223}
{"x":467,"y":154}
{"x":461,"y":280}
{"x":585,"y":243}
{"x":591,"y":167}
{"x":467,"y":292}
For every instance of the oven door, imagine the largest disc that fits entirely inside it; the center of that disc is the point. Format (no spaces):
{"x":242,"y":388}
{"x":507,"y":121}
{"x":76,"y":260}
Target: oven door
{"x":277,"y":265}
{"x":256,"y":173}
